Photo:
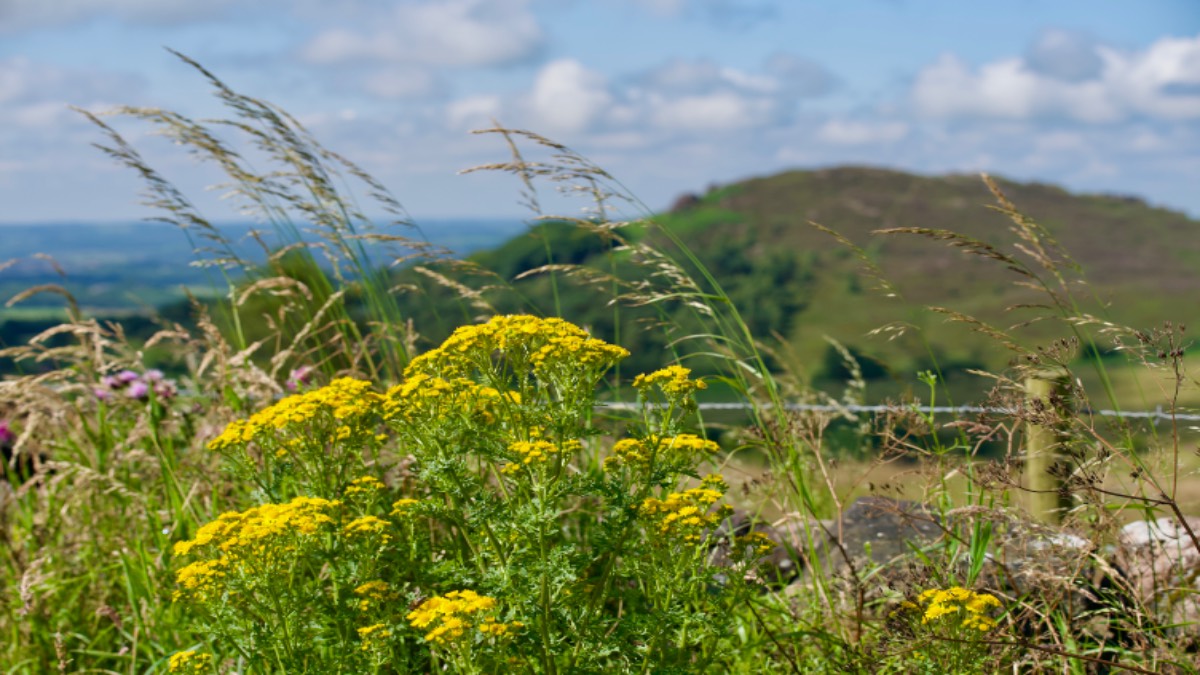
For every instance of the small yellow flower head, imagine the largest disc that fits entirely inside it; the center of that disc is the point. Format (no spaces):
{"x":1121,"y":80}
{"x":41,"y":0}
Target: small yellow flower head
{"x":684,"y":516}
{"x":534,"y":452}
{"x":679,"y":451}
{"x":201,"y":578}
{"x":672,"y":381}
{"x":190,"y":662}
{"x":500,"y":630}
{"x":403,"y":507}
{"x":970,"y":607}
{"x":753,"y":545}
{"x":366,"y":526}
{"x":450,"y":615}
{"x":373,"y":635}
{"x":346,"y":400}
{"x":249,"y":540}
{"x":547,"y":345}
{"x":364,"y":485}
{"x":373,"y":593}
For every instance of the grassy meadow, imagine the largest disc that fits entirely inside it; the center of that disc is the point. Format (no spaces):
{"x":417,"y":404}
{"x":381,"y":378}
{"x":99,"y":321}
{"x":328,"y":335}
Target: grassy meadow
{"x":333,"y":466}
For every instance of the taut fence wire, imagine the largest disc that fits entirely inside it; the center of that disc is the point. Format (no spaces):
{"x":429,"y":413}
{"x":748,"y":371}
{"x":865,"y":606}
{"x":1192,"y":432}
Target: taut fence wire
{"x":1156,"y":415}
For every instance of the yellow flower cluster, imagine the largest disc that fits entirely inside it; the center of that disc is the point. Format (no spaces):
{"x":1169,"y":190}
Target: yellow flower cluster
{"x":540,"y":342}
{"x":452,"y":614}
{"x":364,"y":485}
{"x":972,"y":608}
{"x":684,"y":449}
{"x":685,"y":515}
{"x":189,"y":662}
{"x":538,"y":452}
{"x":577,"y":353}
{"x":753,"y":544}
{"x":672,"y":380}
{"x":366,"y":526}
{"x":346,"y":399}
{"x":233,"y":531}
{"x":402,"y":507}
{"x":201,"y":578}
{"x":373,"y":593}
{"x":244,"y":538}
{"x":373,"y":634}
{"x":422,"y":397}
{"x":491,"y":626}
{"x":528,"y":452}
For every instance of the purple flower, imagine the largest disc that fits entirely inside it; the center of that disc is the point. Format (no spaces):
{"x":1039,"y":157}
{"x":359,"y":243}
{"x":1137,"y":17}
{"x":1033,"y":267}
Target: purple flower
{"x":299,"y":377}
{"x":138,"y":390}
{"x":6,"y":434}
{"x":102,"y":394}
{"x":153,"y":375}
{"x":127,"y":376}
{"x":164,"y":389}
{"x":111,"y":382}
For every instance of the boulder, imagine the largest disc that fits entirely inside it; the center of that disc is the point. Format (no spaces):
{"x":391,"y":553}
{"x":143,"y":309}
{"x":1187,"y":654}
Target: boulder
{"x":1161,"y":563}
{"x":881,"y":529}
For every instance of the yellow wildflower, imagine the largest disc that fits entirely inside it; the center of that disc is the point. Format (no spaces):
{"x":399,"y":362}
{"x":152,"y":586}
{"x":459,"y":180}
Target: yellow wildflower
{"x":678,"y":451}
{"x":249,"y":539}
{"x":972,"y":607}
{"x":364,"y":485}
{"x":345,"y":399}
{"x":367,"y":525}
{"x":403,"y":507}
{"x":684,"y":515}
{"x":374,"y":592}
{"x":542,"y":343}
{"x":450,"y":615}
{"x":672,"y":380}
{"x":189,"y":662}
{"x":492,"y":627}
{"x":753,"y":544}
{"x":373,"y":634}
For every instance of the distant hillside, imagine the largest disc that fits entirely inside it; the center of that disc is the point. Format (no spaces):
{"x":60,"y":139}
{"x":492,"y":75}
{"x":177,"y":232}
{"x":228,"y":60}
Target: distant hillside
{"x":789,"y":278}
{"x":793,"y":284}
{"x":122,"y":268}
{"x":1142,"y":263}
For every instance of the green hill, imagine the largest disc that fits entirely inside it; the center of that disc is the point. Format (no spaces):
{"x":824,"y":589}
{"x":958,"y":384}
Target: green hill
{"x":792,"y":280}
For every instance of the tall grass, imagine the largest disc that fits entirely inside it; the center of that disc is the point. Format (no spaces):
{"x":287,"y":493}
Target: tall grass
{"x":99,"y":488}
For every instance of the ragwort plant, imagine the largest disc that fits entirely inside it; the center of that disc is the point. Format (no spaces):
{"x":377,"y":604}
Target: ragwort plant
{"x":471,"y":517}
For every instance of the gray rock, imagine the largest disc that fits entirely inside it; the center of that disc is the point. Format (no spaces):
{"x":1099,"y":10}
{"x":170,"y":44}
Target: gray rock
{"x":1162,"y":565}
{"x":882,"y":529}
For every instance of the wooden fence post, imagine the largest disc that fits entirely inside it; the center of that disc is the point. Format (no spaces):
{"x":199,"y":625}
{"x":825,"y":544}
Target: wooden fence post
{"x":1046,"y":502}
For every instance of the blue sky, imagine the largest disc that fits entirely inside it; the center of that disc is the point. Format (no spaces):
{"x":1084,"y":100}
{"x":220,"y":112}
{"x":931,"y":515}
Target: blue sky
{"x":667,"y":95}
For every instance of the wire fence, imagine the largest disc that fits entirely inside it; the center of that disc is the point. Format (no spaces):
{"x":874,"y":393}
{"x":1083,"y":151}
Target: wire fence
{"x":1156,"y":415}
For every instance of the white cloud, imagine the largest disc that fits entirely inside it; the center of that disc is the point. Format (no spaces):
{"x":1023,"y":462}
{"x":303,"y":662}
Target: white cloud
{"x":23,"y":80}
{"x":684,"y":96}
{"x":473,"y":112}
{"x":670,"y":102}
{"x":718,"y":111}
{"x":35,"y":98}
{"x":1065,"y":55}
{"x":1162,"y":81}
{"x":458,"y":33}
{"x":567,"y":97}
{"x":1006,"y":89}
{"x":854,"y":132}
